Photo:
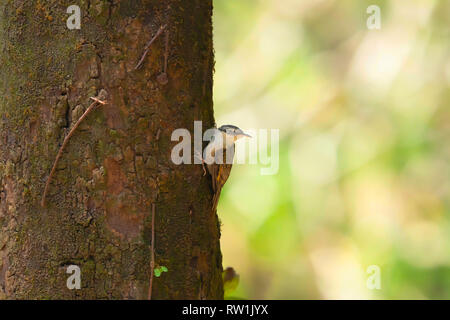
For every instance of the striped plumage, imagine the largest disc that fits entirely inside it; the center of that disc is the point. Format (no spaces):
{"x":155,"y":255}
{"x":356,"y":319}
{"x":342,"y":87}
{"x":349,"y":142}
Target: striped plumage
{"x":222,"y":153}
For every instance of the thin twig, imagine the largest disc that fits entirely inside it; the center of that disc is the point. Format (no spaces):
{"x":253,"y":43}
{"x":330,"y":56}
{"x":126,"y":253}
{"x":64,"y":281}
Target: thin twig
{"x":66,"y":141}
{"x":166,"y":52}
{"x":147,"y":47}
{"x":162,"y":78}
{"x":152,"y":261}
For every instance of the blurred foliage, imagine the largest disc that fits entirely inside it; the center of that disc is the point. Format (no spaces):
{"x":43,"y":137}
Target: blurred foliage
{"x":230,"y":281}
{"x":364,"y":123}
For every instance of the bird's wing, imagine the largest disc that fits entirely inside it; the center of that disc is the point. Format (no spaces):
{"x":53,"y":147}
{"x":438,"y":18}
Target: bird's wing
{"x":213,"y":170}
{"x":220,"y":175}
{"x":223,"y":173}
{"x":220,"y":169}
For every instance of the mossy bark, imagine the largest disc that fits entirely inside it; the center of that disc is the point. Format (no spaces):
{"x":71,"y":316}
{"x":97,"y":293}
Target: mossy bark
{"x":98,"y":213}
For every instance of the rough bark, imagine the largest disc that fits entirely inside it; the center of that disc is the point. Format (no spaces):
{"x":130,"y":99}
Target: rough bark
{"x":117,"y":164}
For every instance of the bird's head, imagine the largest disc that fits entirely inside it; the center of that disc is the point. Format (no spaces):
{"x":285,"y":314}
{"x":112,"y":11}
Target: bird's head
{"x":233,"y":132}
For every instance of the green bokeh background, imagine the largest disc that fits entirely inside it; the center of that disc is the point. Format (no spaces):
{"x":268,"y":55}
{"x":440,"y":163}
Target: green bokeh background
{"x":364,"y":173}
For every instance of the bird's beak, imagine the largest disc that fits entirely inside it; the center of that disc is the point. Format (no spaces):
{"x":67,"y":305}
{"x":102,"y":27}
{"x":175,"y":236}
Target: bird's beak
{"x":246,"y":135}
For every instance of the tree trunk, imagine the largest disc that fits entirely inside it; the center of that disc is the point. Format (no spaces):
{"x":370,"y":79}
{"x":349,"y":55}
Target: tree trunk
{"x":117,"y":164}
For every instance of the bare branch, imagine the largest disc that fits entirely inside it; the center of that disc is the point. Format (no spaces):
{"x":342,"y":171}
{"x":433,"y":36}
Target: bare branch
{"x":66,"y":141}
{"x":147,"y":47}
{"x":152,"y":259}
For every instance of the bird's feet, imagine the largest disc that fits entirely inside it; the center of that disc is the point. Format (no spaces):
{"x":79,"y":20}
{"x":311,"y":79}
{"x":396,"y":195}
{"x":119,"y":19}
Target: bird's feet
{"x":199,"y":156}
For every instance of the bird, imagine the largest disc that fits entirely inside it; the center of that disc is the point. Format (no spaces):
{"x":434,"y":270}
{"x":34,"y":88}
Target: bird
{"x":222,"y":144}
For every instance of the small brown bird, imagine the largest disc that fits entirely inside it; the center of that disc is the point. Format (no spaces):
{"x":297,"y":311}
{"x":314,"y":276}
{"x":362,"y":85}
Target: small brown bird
{"x":219,"y":157}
